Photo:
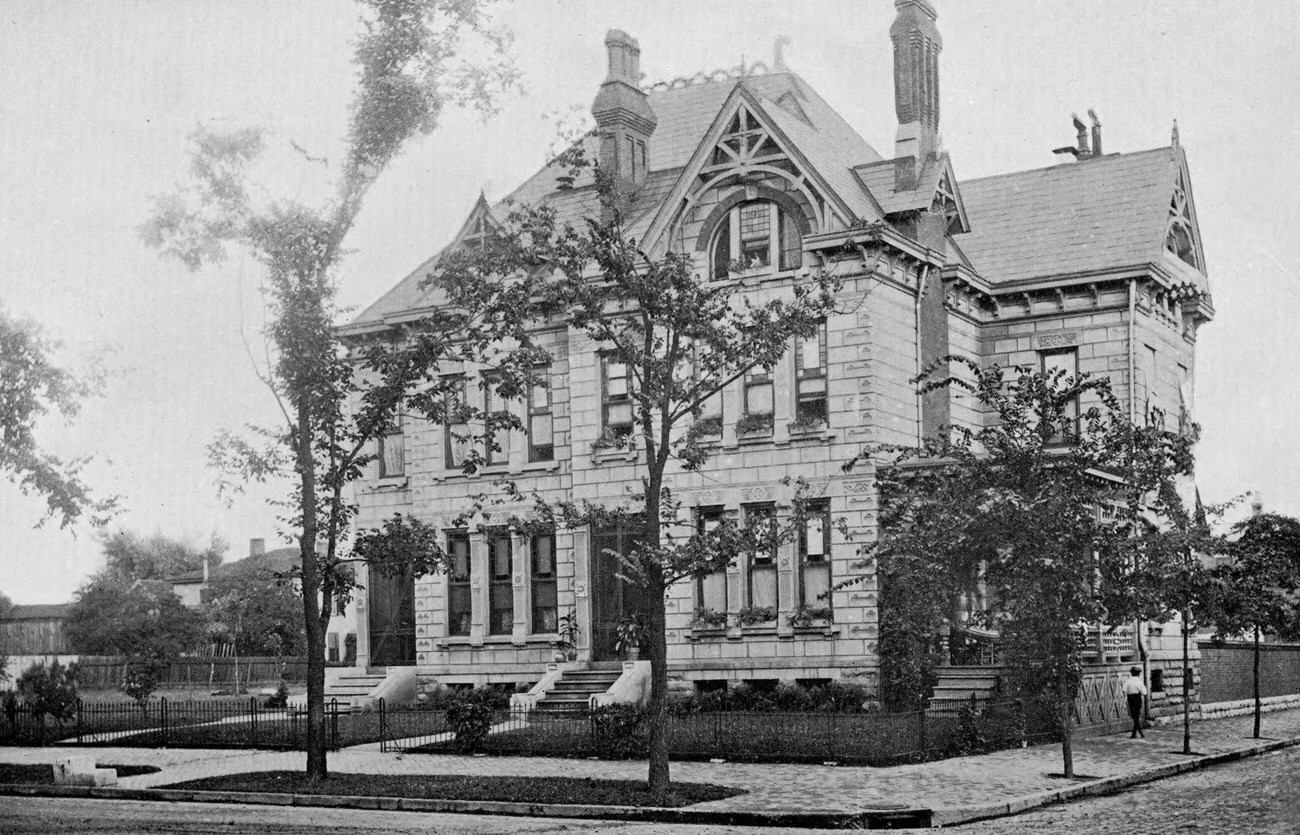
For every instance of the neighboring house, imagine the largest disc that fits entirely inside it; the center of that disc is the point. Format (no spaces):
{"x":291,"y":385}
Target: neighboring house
{"x":35,"y":630}
{"x":192,"y":589}
{"x":1091,"y":265}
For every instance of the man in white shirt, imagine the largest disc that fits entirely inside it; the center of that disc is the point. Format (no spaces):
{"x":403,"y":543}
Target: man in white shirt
{"x":1135,"y":690}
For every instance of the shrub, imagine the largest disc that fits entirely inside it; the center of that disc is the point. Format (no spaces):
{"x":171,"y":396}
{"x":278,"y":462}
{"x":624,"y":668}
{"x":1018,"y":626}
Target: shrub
{"x":141,"y":678}
{"x":471,"y":720}
{"x":280,"y":698}
{"x":50,"y":691}
{"x":621,"y":731}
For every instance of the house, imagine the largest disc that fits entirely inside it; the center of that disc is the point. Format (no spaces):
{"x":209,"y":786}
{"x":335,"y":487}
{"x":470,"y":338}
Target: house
{"x":270,"y":567}
{"x":1093,"y":264}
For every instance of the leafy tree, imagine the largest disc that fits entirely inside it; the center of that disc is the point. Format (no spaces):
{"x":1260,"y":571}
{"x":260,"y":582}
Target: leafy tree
{"x":1257,"y":590}
{"x":140,"y":619}
{"x":259,"y":610}
{"x":49,"y":690}
{"x":1016,"y":504}
{"x":130,"y":556}
{"x":682,"y":338}
{"x":415,"y":58}
{"x":32,"y":386}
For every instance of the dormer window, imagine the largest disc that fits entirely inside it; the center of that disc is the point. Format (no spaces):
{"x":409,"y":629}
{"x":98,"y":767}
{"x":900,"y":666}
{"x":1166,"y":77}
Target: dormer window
{"x":753,"y":237}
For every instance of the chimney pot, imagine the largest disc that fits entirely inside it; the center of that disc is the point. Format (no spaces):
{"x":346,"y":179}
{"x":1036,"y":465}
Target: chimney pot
{"x":1081,"y":131}
{"x":1096,"y":132}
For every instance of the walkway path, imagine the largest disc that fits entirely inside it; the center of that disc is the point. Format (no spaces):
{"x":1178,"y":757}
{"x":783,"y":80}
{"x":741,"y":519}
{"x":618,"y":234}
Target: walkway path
{"x":955,"y":789}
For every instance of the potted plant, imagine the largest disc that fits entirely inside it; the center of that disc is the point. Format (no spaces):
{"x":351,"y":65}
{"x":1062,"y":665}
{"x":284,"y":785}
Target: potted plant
{"x":805,"y":424}
{"x":755,"y":615}
{"x":707,"y":619}
{"x":567,"y":644}
{"x":806,"y":616}
{"x":628,"y":633}
{"x":709,"y":426}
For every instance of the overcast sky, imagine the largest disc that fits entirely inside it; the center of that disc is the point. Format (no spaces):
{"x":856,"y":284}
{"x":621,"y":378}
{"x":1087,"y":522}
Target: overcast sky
{"x":96,"y":101}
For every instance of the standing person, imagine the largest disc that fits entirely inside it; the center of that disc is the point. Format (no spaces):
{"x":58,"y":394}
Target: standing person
{"x":1135,"y":690}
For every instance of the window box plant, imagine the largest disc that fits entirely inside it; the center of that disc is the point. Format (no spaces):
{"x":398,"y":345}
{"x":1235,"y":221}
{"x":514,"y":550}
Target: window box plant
{"x":755,"y":615}
{"x":760,"y":424}
{"x":806,"y":425}
{"x":708,"y":620}
{"x":805,"y":616}
{"x":708,"y":427}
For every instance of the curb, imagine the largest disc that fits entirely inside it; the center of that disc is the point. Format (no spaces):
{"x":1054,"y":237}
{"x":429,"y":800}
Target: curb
{"x":891,"y":818}
{"x":871,"y":818}
{"x":1107,"y":785}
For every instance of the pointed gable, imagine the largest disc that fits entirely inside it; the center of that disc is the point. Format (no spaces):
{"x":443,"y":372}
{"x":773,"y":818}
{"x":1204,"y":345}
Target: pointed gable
{"x":936,"y":189}
{"x":1109,"y":213}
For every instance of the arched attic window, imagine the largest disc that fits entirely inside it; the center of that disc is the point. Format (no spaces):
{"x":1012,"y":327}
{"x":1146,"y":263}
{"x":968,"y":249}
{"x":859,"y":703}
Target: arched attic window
{"x":753,"y":237}
{"x":1180,"y":240}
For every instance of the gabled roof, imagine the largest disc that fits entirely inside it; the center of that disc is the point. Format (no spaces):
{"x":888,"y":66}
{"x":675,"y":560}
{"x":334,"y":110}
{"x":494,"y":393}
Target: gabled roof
{"x":1102,"y":214}
{"x":685,"y":112}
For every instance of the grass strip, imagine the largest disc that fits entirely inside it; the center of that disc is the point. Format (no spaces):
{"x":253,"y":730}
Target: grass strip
{"x":540,"y":790}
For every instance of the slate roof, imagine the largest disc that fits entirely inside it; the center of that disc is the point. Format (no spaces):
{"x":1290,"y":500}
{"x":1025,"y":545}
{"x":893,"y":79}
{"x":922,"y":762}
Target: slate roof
{"x":684,"y":113}
{"x":1077,"y":217}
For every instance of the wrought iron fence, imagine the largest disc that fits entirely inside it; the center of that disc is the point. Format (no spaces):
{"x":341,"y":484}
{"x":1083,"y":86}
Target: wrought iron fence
{"x":859,"y":738}
{"x":230,"y":723}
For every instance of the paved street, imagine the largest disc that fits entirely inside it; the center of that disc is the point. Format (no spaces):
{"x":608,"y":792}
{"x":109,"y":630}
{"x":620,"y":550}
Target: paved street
{"x":1256,"y":796}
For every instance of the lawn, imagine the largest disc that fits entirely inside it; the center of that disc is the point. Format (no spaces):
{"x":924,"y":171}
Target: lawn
{"x":44,"y":774}
{"x":537,"y":790}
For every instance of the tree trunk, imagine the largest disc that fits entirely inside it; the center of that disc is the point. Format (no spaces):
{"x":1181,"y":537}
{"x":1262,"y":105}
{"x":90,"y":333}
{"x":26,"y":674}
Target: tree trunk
{"x":1259,"y":707}
{"x":1064,"y":705}
{"x":316,"y":766}
{"x":658,"y":778}
{"x":1187,"y":686}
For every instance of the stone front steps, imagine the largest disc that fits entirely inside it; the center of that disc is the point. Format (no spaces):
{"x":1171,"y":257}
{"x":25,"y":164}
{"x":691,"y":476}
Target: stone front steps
{"x":576,"y":687}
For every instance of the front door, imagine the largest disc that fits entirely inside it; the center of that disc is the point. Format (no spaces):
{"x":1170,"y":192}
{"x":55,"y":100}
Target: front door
{"x":392,"y":619}
{"x":612,"y":597}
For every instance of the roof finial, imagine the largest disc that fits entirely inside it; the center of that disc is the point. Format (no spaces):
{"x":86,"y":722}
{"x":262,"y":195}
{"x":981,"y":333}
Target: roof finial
{"x":778,"y":53}
{"x":1173,"y":136}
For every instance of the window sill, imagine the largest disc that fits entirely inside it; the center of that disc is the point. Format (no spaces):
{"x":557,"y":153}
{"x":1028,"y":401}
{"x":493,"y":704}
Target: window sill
{"x":601,"y":456}
{"x":698,"y":633}
{"x":540,"y":466}
{"x":768,"y":628}
{"x":828,"y":630}
{"x":543,"y":640}
{"x":396,"y":482}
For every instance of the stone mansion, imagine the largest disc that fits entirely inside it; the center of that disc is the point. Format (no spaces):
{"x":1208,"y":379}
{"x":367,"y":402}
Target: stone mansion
{"x":1093,"y":264}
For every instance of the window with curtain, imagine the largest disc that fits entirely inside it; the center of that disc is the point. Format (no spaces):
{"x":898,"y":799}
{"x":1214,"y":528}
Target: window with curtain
{"x":459,"y":598}
{"x":541,"y":442}
{"x":815,"y":557}
{"x":762,"y":561}
{"x":501,"y":594}
{"x":455,"y":429}
{"x":545,"y":615}
{"x":616,"y":398}
{"x":392,"y":450}
{"x":755,"y":236}
{"x":711,"y":589}
{"x":810,"y":378}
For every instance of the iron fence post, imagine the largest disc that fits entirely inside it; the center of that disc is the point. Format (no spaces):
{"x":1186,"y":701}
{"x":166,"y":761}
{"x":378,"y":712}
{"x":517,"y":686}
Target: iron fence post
{"x":252,"y":720}
{"x":163,"y":708}
{"x":383,"y":728}
{"x":334,"y":724}
{"x":78,"y":721}
{"x":920,"y":715}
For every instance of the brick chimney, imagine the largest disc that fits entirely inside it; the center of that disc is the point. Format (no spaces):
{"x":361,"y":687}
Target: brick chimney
{"x":624,"y":119}
{"x":916,"y":87}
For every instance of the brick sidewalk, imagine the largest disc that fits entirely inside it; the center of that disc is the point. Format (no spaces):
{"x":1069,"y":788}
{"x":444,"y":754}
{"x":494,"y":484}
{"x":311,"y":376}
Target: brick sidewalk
{"x":953,"y":788}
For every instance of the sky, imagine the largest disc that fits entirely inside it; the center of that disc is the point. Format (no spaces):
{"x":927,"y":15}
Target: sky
{"x":97,"y":100}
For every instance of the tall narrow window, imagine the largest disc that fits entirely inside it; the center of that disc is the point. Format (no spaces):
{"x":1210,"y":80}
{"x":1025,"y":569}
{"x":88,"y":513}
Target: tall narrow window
{"x":810,"y":378}
{"x":815,"y":557}
{"x":498,"y":437}
{"x":762,"y":561}
{"x":541,"y":443}
{"x":758,"y":402}
{"x":710,"y":420}
{"x":542,"y":571}
{"x":711,"y":589}
{"x":459,"y":605}
{"x":616,"y":398}
{"x":392,"y":450}
{"x":332,"y":647}
{"x":501,"y":593}
{"x":455,"y":426}
{"x":1065,"y":365}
